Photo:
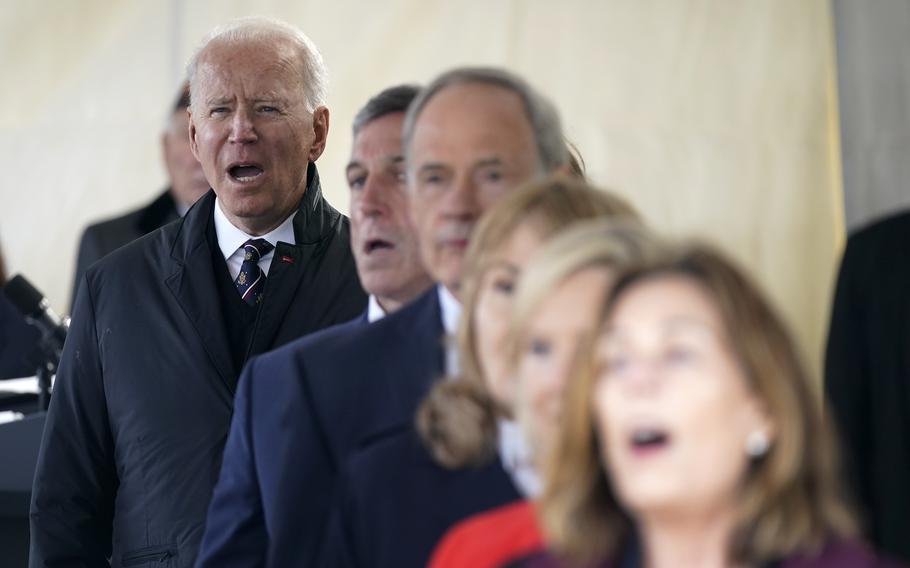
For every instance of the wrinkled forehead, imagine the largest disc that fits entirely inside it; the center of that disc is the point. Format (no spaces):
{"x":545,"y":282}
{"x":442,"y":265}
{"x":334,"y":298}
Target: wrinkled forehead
{"x":379,"y":139}
{"x":258,"y":65}
{"x":665,"y":306}
{"x":473,"y":120}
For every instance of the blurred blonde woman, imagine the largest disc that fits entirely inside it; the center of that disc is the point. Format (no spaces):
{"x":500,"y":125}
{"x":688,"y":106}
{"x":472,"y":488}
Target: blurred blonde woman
{"x":556,"y":310}
{"x":399,"y":497}
{"x":695,"y":439}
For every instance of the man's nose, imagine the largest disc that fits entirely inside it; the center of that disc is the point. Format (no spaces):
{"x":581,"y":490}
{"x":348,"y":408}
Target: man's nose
{"x":461,"y":200}
{"x":374,"y":198}
{"x":643,"y":377}
{"x":243,"y":130}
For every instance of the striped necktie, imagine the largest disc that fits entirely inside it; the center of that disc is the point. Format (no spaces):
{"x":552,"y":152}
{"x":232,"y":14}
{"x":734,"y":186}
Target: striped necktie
{"x":251,"y":280}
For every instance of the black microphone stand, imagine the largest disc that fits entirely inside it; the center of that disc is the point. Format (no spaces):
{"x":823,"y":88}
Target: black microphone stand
{"x":51,"y":349}
{"x":44,"y":374}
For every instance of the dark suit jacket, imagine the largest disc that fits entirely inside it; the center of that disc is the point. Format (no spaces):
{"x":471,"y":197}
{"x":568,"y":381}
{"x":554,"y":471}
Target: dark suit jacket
{"x":143,"y":401}
{"x":104,"y":237}
{"x":311,"y":403}
{"x":395,"y":503}
{"x":867,"y":376}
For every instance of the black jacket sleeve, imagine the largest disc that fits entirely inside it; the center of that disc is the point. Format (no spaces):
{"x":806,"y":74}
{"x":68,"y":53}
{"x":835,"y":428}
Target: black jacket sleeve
{"x":89,"y":252}
{"x":847,"y":371}
{"x":75,"y":481}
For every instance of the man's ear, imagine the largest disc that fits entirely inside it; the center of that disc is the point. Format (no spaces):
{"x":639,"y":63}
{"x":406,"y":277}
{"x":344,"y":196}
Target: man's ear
{"x":320,"y":131}
{"x":193,"y":146}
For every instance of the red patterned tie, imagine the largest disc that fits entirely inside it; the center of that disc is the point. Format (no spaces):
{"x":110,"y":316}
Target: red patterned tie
{"x":251,"y":280}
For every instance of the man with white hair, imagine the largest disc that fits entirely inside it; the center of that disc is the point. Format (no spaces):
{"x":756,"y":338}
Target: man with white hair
{"x":163,"y":326}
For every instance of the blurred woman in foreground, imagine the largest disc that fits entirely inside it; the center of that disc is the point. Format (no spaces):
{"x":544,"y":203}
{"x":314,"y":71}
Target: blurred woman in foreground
{"x":556,"y":311}
{"x":696,"y":440}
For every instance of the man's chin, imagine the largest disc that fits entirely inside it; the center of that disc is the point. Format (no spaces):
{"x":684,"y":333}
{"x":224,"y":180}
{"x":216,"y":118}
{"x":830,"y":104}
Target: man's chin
{"x":380,"y":281}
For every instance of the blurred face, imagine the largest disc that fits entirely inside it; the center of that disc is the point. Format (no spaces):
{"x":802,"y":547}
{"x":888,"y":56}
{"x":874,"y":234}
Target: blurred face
{"x":382,"y":238}
{"x":186,"y":177}
{"x":564,"y":319}
{"x":672,"y":404}
{"x":252,"y":133}
{"x":494,"y":307}
{"x":471,"y":144}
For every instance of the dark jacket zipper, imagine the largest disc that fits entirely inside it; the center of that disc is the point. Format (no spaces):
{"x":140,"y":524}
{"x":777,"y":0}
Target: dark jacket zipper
{"x":157,"y":555}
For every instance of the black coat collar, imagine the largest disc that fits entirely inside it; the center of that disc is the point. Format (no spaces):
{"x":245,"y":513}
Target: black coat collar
{"x":193,"y":280}
{"x":312,"y":222}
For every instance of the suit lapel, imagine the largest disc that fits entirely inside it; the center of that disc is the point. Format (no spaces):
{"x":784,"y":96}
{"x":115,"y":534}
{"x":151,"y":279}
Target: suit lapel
{"x":193,"y":286}
{"x":290,"y":263}
{"x":424,"y":337}
{"x":285,"y":275}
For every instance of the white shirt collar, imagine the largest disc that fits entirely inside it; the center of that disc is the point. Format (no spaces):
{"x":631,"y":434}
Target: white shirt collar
{"x":451,"y":310}
{"x":374,"y":310}
{"x":230,"y":239}
{"x":451,"y":313}
{"x":517,"y":458}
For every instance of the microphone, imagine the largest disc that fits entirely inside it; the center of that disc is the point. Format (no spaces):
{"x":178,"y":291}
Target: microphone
{"x":37,"y":311}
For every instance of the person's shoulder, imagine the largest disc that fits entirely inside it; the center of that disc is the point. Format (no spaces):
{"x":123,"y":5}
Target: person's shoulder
{"x":513,"y":517}
{"x":122,"y":223}
{"x":315,"y":342}
{"x":422,"y":310}
{"x":132,"y":223}
{"x":841,"y":554}
{"x":136,"y":254}
{"x":892,"y":228}
{"x":879,"y":248}
{"x":351,"y":336}
{"x":107,"y":235}
{"x":502,"y":534}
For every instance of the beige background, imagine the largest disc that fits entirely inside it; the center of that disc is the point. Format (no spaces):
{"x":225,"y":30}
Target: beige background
{"x":714,"y":117}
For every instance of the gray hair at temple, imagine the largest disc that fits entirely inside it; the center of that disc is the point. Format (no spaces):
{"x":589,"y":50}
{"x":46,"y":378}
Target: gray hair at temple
{"x":545,"y":123}
{"x":260,"y":29}
{"x":391,"y":100}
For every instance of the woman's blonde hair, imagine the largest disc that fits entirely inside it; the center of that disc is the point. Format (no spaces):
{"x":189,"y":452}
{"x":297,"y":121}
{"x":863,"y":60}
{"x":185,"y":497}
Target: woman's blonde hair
{"x":457,"y":419}
{"x":790,"y":500}
{"x":2,"y":269}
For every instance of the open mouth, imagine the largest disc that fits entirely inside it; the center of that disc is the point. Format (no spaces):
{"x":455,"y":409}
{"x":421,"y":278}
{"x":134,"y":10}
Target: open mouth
{"x":373,"y":245}
{"x":244,"y":172}
{"x":648,"y":440}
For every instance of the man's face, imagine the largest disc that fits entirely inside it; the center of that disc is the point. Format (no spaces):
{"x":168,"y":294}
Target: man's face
{"x":252,"y":133}
{"x":186,"y":177}
{"x":472,"y":143}
{"x":382,"y":237}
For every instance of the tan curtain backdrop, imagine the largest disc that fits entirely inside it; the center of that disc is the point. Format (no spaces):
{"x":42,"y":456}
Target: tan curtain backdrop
{"x":716,"y":118}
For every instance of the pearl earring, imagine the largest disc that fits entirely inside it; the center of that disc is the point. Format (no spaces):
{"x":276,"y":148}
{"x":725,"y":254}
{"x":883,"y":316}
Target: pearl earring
{"x":757,"y":444}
